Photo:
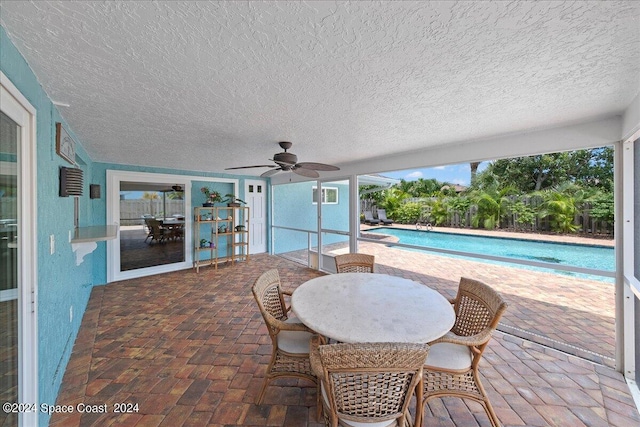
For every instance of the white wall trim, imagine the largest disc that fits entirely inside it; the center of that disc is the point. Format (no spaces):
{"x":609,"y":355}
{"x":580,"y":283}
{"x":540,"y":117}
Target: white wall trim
{"x":631,"y":119}
{"x":27,"y":238}
{"x":631,"y":285}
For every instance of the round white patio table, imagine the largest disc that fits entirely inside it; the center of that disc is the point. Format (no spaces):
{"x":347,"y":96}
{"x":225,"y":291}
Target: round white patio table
{"x":366,"y":307}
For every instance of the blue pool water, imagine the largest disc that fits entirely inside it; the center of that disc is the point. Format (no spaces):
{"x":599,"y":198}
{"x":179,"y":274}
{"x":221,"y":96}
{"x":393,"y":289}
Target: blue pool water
{"x":587,"y":256}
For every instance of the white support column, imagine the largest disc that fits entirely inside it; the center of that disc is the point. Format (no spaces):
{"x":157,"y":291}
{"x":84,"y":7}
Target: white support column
{"x":354,"y":213}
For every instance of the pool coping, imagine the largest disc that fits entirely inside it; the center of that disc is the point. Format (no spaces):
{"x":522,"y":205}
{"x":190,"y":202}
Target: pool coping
{"x":555,"y":238}
{"x":492,"y":236}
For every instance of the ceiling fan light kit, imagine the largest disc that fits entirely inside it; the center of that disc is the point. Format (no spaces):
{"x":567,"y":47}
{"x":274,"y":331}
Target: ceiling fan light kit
{"x":288,"y":162}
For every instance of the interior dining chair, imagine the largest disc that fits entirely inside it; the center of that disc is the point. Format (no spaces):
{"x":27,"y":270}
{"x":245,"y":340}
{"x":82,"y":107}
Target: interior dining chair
{"x":148,"y":227}
{"x":156,"y":232}
{"x":451,"y":369}
{"x":290,"y":339}
{"x":368,"y":383}
{"x":354,"y":263}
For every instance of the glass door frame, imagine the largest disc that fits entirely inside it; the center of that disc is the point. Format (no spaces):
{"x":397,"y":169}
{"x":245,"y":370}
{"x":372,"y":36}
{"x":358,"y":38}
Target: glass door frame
{"x":114,"y":177}
{"x":20,"y":110}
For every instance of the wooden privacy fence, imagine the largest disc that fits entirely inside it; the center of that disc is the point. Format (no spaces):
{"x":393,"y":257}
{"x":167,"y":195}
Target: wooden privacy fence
{"x":132,"y":212}
{"x":582,"y":219}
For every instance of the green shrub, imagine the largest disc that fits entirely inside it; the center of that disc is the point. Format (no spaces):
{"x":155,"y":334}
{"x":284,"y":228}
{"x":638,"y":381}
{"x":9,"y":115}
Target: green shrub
{"x":408,"y":213}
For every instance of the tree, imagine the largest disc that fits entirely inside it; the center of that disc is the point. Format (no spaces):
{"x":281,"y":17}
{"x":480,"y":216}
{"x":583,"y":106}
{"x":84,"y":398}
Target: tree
{"x":561,"y":204}
{"x":602,"y":207}
{"x":531,"y":173}
{"x":460,"y":205}
{"x":474,"y":170}
{"x":420,"y":187}
{"x":425,"y":187}
{"x":589,"y":168}
{"x":392,"y":200}
{"x":150,"y":196}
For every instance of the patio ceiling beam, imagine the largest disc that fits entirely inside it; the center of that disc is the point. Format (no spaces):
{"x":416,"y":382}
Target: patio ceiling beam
{"x":595,"y":133}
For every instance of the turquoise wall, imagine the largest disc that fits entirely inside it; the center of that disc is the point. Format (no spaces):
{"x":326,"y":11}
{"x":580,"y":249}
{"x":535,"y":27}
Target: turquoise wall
{"x":293,"y":207}
{"x":99,"y":212}
{"x":62,"y":284}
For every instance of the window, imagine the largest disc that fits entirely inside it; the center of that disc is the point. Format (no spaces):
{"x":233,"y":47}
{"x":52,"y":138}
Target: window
{"x":329,"y":195}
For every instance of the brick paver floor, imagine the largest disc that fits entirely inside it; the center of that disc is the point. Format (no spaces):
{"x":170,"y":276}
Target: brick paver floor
{"x":561,"y":311}
{"x":191,"y":350}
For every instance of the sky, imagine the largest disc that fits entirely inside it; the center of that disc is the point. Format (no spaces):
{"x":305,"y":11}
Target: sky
{"x":453,"y":174}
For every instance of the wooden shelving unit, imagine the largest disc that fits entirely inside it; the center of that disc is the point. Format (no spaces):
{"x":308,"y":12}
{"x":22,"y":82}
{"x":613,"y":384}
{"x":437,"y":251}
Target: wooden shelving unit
{"x":226,"y":232}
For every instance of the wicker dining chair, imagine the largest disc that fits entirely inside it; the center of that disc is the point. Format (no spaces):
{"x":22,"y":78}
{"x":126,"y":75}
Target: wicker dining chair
{"x":156,"y":232}
{"x":367,"y":383}
{"x":290,"y":339}
{"x":451,"y":369}
{"x":354,"y":263}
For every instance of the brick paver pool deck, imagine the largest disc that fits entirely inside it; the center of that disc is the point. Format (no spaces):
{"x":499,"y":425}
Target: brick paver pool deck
{"x":191,"y":349}
{"x":558,"y":310}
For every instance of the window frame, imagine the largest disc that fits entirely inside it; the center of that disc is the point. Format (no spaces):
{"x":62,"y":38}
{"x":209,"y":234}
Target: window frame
{"x":314,"y":197}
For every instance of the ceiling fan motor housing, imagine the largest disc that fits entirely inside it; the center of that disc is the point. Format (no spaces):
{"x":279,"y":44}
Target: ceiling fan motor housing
{"x":285,"y":158}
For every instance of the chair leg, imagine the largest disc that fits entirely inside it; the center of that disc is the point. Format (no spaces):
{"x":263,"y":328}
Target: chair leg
{"x":491,"y":414}
{"x":318,"y":402}
{"x":267,"y":377}
{"x":419,"y":403}
{"x":485,"y":401}
{"x":265,"y":383}
{"x":479,"y":396}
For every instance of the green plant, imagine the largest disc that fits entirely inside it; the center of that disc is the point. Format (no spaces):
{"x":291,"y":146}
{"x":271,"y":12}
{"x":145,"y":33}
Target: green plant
{"x":602,"y":207}
{"x":231,"y":198}
{"x":408,"y":213}
{"x":561,"y":209}
{"x":439,"y":211}
{"x":211,"y":196}
{"x":523,"y":214}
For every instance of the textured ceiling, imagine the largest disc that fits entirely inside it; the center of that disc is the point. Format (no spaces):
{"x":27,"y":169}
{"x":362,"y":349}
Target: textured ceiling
{"x":209,"y":85}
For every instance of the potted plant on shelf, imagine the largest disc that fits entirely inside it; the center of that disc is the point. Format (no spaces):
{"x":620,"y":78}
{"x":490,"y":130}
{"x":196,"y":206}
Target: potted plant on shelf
{"x":211,"y":197}
{"x":232,"y":201}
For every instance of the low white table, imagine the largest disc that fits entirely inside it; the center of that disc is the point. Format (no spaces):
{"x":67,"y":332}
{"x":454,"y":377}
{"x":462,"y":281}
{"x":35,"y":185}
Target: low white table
{"x":365,"y":307}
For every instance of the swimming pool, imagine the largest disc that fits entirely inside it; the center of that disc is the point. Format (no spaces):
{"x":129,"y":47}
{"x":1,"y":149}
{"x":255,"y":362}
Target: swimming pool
{"x":586,"y":256}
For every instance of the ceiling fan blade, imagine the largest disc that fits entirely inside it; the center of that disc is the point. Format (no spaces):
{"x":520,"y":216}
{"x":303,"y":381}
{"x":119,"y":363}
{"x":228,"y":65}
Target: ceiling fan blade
{"x":317,"y":166}
{"x":309,"y":173}
{"x":270,"y":173}
{"x":254,"y":166}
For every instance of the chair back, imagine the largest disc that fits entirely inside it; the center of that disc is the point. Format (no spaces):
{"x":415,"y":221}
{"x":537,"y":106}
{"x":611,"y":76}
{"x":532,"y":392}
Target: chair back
{"x":478,"y":307}
{"x":368,"y":216}
{"x":155,"y":228}
{"x":354,"y":263}
{"x":382,"y":214}
{"x":266,"y":290}
{"x":146,"y":222}
{"x":371,"y":382}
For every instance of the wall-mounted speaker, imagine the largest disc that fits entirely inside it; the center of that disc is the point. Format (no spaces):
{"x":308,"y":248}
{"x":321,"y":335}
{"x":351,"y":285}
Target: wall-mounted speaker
{"x":70,"y":182}
{"x":94,"y":191}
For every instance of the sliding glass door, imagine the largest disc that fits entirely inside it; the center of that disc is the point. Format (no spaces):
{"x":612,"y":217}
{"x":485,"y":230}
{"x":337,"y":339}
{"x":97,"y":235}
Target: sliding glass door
{"x":152,"y":218}
{"x":18,"y":289}
{"x":153,"y":214}
{"x":9,"y":296}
